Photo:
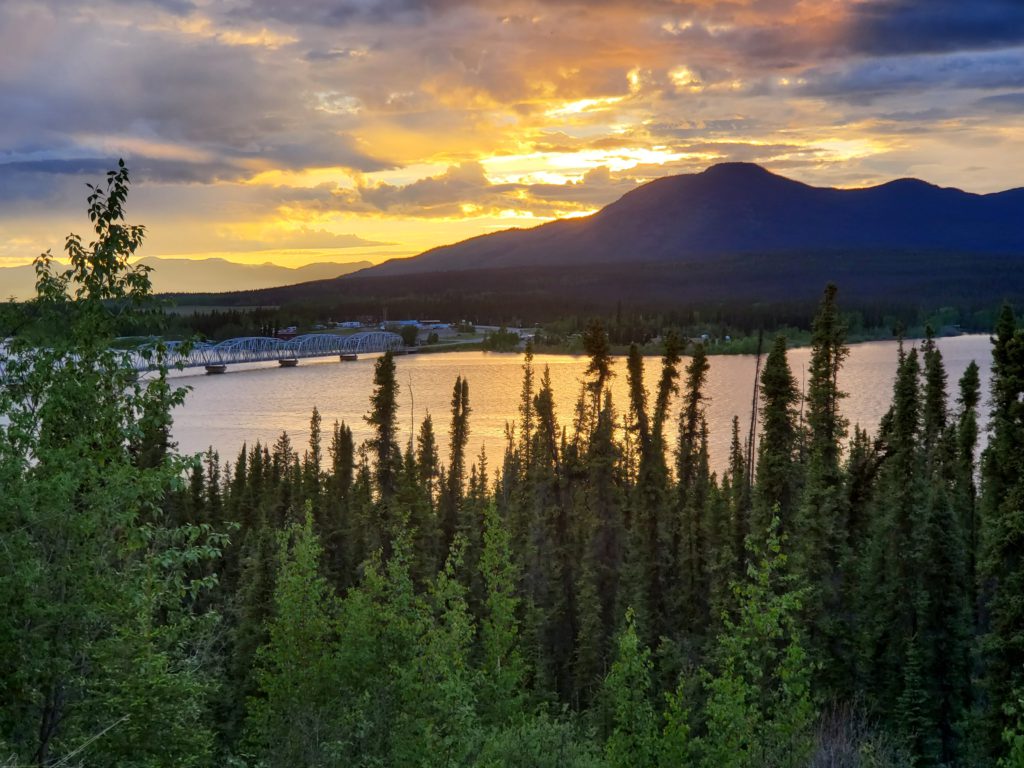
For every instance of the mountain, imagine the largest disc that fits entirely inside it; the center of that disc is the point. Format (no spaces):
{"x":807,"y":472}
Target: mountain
{"x":198,"y":275}
{"x":740,"y":208}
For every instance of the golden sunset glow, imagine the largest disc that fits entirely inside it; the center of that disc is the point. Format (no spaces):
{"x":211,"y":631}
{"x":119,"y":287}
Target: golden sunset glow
{"x":356,"y":129}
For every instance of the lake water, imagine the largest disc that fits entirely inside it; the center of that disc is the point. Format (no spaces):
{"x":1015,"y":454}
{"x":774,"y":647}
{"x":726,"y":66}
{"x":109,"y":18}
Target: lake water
{"x":252,"y":403}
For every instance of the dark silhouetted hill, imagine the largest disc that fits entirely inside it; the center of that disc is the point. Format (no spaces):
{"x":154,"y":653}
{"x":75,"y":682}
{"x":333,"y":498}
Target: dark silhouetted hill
{"x":740,"y":208}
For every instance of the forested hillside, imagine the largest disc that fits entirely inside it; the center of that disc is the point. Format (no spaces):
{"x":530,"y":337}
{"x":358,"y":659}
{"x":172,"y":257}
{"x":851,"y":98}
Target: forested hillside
{"x":594,"y":596}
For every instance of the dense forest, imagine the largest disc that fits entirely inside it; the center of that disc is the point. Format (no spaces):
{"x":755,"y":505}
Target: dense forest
{"x":595,"y":596}
{"x":740,"y":296}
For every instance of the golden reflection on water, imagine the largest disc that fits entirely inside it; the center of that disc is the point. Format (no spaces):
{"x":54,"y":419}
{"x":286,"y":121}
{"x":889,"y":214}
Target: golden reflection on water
{"x":259,"y":402}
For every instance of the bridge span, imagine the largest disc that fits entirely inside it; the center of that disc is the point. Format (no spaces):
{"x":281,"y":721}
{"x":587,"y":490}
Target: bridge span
{"x":255,"y":349}
{"x":287,"y":352}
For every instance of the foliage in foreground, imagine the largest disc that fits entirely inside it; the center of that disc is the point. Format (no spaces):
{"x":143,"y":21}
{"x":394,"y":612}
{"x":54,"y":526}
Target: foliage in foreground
{"x":598,"y":599}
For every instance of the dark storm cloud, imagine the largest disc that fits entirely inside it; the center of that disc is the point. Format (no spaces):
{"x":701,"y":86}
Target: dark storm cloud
{"x":49,"y":178}
{"x":61,"y":166}
{"x":336,"y":13}
{"x":334,"y":54}
{"x":885,"y":27}
{"x":866,"y":81}
{"x":179,"y":7}
{"x":1010,"y":103}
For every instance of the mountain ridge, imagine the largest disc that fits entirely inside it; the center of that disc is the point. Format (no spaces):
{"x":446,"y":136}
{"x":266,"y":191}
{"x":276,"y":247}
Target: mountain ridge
{"x":736,"y":208}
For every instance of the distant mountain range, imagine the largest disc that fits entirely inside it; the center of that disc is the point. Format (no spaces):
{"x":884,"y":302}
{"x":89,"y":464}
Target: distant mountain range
{"x":198,"y":275}
{"x":732,"y":209}
{"x":734,"y":238}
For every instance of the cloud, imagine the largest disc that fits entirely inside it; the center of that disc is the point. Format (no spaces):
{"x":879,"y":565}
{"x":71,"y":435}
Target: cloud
{"x":464,"y":191}
{"x":1009,"y":103}
{"x":865,"y":81}
{"x":435,"y":195}
{"x":896,"y":27}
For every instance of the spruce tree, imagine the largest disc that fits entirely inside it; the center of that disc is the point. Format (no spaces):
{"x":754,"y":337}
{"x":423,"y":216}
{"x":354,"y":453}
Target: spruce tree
{"x":383,"y":419}
{"x":821,"y":516}
{"x":1001,"y":562}
{"x":456,"y":478}
{"x":966,"y":485}
{"x":427,"y":458}
{"x":778,"y":479}
{"x":336,"y":514}
{"x":667,"y":386}
{"x":688,"y":532}
{"x":599,"y":369}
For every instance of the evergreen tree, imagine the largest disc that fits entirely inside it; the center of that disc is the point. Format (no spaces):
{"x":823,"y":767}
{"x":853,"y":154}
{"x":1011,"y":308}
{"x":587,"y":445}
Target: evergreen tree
{"x":597,"y":348}
{"x":946,"y":622}
{"x":1001,"y":563}
{"x":778,"y":481}
{"x":691,"y":527}
{"x":821,"y":516}
{"x":667,"y":386}
{"x":415,"y":504}
{"x":312,"y":470}
{"x":456,"y":478}
{"x":338,"y":521}
{"x":737,"y":493}
{"x":383,"y":419}
{"x":638,"y":420}
{"x":966,"y":486}
{"x":427,"y":457}
{"x":526,"y":408}
{"x":652,"y":525}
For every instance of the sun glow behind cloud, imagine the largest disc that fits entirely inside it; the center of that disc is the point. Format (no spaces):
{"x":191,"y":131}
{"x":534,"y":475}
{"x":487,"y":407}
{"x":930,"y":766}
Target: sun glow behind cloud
{"x":566,"y":167}
{"x":416,"y":124}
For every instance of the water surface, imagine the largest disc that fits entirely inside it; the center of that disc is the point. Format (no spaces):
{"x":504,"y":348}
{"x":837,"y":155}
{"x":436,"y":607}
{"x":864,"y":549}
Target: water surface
{"x":259,"y":402}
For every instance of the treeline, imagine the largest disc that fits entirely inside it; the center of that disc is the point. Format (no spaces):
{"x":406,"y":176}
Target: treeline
{"x":595,"y":596}
{"x":881,"y":289}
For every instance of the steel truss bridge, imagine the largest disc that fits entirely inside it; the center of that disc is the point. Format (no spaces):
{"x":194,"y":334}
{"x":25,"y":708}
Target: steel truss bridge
{"x":260,"y":349}
{"x":257,"y":349}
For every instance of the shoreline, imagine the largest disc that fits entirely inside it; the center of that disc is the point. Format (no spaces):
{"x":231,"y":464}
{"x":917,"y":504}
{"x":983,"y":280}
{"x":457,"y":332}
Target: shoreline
{"x":744,"y":346}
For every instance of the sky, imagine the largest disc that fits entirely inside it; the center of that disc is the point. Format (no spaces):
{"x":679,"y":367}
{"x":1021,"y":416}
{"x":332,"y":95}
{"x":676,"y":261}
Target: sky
{"x":342,"y":130}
